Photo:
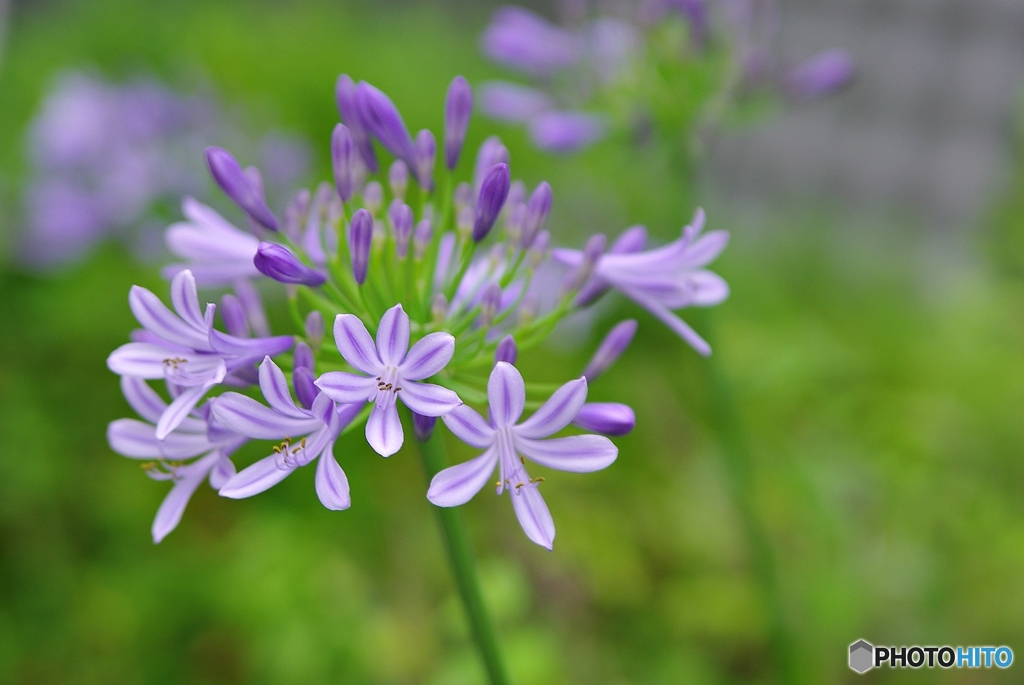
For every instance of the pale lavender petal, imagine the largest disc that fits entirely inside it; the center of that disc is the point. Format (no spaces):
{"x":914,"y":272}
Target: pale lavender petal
{"x":457,"y":484}
{"x":136,"y":439}
{"x":254,"y":311}
{"x":671,"y":320}
{"x":524,"y":40}
{"x":247,"y":417}
{"x":275,"y":388}
{"x":506,"y":394}
{"x":533,"y":515}
{"x":179,"y":409}
{"x":215,"y":275}
{"x":393,"y":336}
{"x":261,"y":476}
{"x":356,"y":345}
{"x":555,"y":414}
{"x":469,"y":427}
{"x":428,"y":356}
{"x":577,"y":453}
{"x":707,"y":288}
{"x":346,"y":388}
{"x":171,"y":509}
{"x":141,"y":359}
{"x":705,"y":249}
{"x":384,"y":431}
{"x":609,"y":418}
{"x":185,"y":298}
{"x":251,"y":348}
{"x":331,"y":482}
{"x":566,"y":131}
{"x":429,"y":399}
{"x":142,"y":398}
{"x":222,"y":472}
{"x":633,"y":239}
{"x":156,"y":318}
{"x":512,"y":102}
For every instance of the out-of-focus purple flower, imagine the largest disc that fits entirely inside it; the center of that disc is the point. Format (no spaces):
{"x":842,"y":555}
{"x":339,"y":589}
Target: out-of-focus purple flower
{"x":491,"y":152}
{"x":321,"y":424}
{"x":400,"y":215}
{"x":612,"y":44}
{"x":315,"y":327}
{"x":504,"y":438}
{"x":426,"y":156}
{"x":423,"y":426}
{"x":610,"y":349}
{"x":821,"y":75}
{"x":343,"y":161}
{"x":506,"y":351}
{"x":666,"y":278}
{"x":360,"y":239}
{"x":458,"y":106}
{"x":373,"y":196}
{"x":281,"y":264}
{"x":381,"y":118}
{"x":217,"y":253}
{"x":393,"y":371}
{"x":537,"y":213}
{"x":518,"y":38}
{"x":566,"y":131}
{"x":581,"y":273}
{"x":512,"y":102}
{"x":196,"y":435}
{"x":348,"y":108}
{"x":229,"y":175}
{"x":633,"y":239}
{"x":493,"y":193}
{"x":697,"y":15}
{"x":421,"y":238}
{"x":607,"y":418}
{"x":184,"y":349}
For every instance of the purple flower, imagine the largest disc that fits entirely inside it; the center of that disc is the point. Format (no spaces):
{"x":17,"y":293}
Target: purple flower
{"x":185,"y":349}
{"x":392,"y":371}
{"x":458,"y":106}
{"x":320,"y":425}
{"x":512,"y":102}
{"x":493,"y":193}
{"x":609,"y":418}
{"x":566,"y":131}
{"x":217,"y":253}
{"x":820,"y":75}
{"x":281,"y":264}
{"x":665,"y":278}
{"x":503,"y":438}
{"x":348,"y":108}
{"x":196,"y":435}
{"x":238,"y":186}
{"x":536,"y":214}
{"x":613,"y":345}
{"x":523,"y":40}
{"x":381,"y":118}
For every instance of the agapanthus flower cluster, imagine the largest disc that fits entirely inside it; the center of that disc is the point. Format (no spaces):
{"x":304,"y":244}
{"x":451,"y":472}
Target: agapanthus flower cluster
{"x":658,"y":66}
{"x":114,"y":159}
{"x":412,"y":293}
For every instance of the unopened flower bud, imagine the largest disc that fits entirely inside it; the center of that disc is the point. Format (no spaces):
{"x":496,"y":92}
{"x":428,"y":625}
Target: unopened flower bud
{"x":228,"y":174}
{"x":400,"y":215}
{"x":281,"y":264}
{"x":539,"y":249}
{"x":426,"y":155}
{"x":633,"y":239}
{"x":492,"y":152}
{"x":609,"y":418}
{"x":421,"y":238}
{"x":303,"y":356}
{"x":423,"y":426}
{"x":373,"y":197}
{"x":295,"y":214}
{"x":342,"y":160}
{"x":464,"y":219}
{"x":360,"y":237}
{"x":490,"y":303}
{"x":463,"y":196}
{"x":233,"y":313}
{"x":398,"y":179}
{"x":315,"y":327}
{"x":592,"y":252}
{"x":439,"y":309}
{"x":613,"y":345}
{"x":537,"y":213}
{"x":458,"y":106}
{"x":306,"y":390}
{"x":514,"y":224}
{"x":345,"y":93}
{"x":493,"y":193}
{"x":382,"y":119}
{"x":516,"y":193}
{"x":506,"y":350}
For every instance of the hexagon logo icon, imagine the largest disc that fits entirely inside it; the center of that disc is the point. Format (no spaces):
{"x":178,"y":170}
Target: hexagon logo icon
{"x":862,"y":656}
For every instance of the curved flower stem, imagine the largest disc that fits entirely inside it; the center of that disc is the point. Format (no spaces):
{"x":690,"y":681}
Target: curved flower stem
{"x":460,"y":554}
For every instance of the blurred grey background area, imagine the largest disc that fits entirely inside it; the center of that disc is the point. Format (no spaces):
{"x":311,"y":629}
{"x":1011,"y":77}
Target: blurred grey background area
{"x":927,"y":130}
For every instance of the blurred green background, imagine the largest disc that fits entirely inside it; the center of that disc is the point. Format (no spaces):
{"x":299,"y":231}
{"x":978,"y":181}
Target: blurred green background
{"x":882,"y":402}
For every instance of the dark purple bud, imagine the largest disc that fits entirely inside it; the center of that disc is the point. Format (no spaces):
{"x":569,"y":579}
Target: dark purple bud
{"x":492,"y":152}
{"x":506,"y":351}
{"x":423,"y":426}
{"x":228,"y":174}
{"x":360,"y":237}
{"x":400,"y":215}
{"x":490,"y":303}
{"x":426,"y":156}
{"x":304,"y":381}
{"x":609,"y":418}
{"x":613,"y":345}
{"x":493,"y":193}
{"x":821,"y":75}
{"x":345,"y":92}
{"x":398,"y":179}
{"x":421,"y":238}
{"x":566,"y":131}
{"x":233,"y":313}
{"x":382,"y":119}
{"x":303,"y":356}
{"x":458,"y":106}
{"x":537,"y":213}
{"x":315,"y":327}
{"x":343,"y":161}
{"x":281,"y":264}
{"x":373,"y":196}
{"x":295,"y":214}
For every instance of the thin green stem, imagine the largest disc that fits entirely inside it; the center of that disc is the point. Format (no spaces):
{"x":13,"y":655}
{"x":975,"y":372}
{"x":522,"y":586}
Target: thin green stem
{"x":460,"y":554}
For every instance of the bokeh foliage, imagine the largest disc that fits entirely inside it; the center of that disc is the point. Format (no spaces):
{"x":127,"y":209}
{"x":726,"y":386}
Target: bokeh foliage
{"x":883,"y":404}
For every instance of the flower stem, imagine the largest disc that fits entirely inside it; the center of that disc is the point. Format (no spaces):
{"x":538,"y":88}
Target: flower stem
{"x":460,"y":554}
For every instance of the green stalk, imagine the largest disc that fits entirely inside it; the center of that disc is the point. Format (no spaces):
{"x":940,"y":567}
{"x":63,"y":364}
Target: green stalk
{"x":460,"y":554}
